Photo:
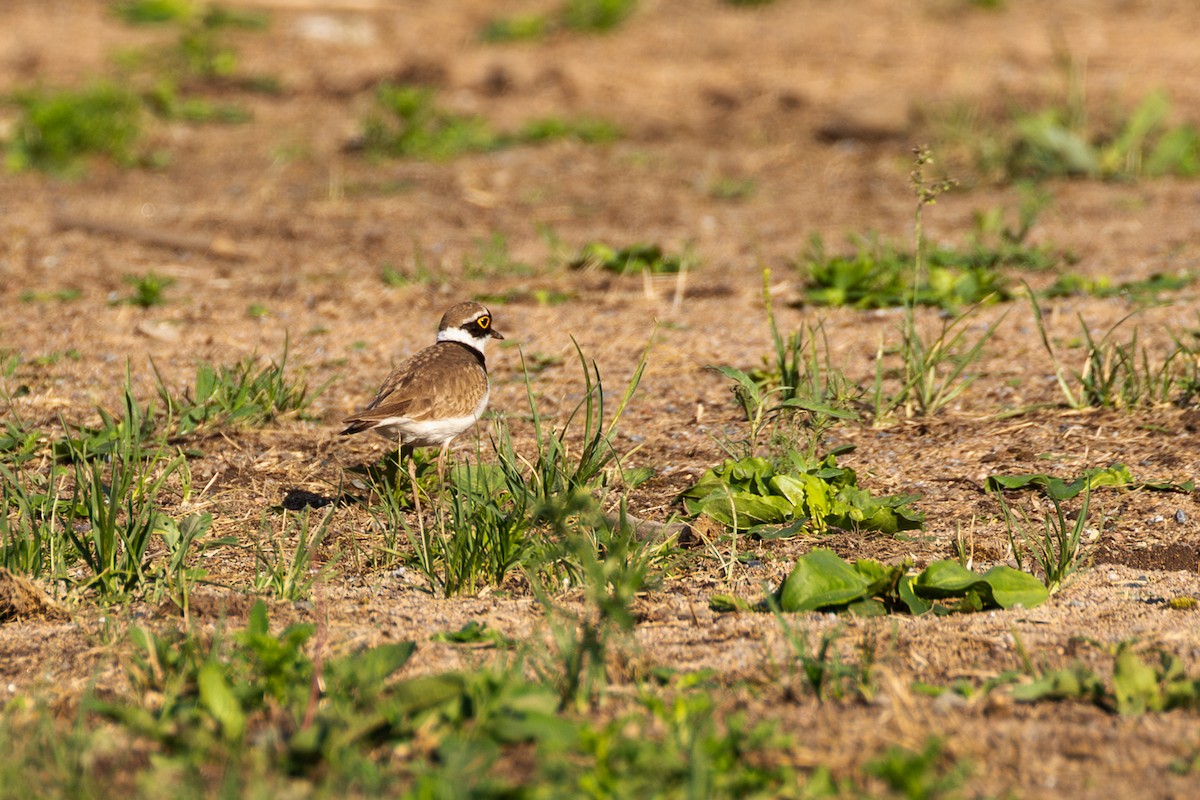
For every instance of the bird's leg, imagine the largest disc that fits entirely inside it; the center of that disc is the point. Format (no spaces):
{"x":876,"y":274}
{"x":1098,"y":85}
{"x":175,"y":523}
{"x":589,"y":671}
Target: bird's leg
{"x":441,"y":463}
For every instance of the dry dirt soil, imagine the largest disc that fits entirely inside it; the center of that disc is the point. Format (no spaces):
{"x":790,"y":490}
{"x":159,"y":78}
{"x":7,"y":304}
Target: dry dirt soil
{"x":816,"y":106}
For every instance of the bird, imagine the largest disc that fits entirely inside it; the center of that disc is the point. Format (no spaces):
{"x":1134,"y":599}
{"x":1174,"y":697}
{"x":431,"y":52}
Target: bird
{"x":438,"y":392}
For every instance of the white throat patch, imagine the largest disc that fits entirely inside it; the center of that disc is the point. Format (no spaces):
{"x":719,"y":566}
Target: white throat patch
{"x":462,"y":337}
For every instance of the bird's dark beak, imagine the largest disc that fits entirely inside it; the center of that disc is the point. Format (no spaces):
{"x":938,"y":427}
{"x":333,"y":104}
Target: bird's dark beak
{"x":495,"y":334}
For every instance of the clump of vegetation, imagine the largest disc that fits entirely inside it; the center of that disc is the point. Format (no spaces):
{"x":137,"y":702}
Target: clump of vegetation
{"x":580,"y":16}
{"x":1117,"y":373}
{"x":236,"y":394}
{"x":753,"y":495}
{"x":821,"y":580}
{"x":59,"y":129}
{"x":881,"y":275}
{"x":407,"y":122}
{"x":1062,"y":141}
{"x":149,"y":290}
{"x":642,"y":257}
{"x":1055,"y":543}
{"x":1136,"y":686}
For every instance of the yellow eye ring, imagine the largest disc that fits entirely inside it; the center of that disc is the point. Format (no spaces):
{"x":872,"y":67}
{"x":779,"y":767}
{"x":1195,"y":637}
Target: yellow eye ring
{"x":483,"y":322}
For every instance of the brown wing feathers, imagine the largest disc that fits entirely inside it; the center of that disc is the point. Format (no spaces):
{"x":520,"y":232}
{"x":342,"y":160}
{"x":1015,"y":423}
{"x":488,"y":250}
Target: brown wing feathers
{"x":445,"y":380}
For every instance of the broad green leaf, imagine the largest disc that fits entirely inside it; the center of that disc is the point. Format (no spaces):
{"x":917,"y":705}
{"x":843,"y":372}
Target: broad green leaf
{"x":867,"y":608}
{"x":881,"y":578}
{"x":1135,"y":684}
{"x":727,"y":603}
{"x":916,"y":605}
{"x":1077,"y":682}
{"x":821,"y":579}
{"x":257,"y":624}
{"x":217,"y":696}
{"x":372,"y":667}
{"x":1011,"y":587}
{"x":1000,"y":586}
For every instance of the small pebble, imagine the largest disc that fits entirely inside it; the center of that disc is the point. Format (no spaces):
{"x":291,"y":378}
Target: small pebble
{"x":1180,"y":516}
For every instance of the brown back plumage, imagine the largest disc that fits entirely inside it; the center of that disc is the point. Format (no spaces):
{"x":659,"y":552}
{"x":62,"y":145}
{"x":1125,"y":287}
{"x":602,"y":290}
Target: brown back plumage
{"x":444,"y":380}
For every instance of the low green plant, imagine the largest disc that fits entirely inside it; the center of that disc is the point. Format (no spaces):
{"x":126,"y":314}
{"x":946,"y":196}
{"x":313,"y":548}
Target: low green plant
{"x":612,"y":567}
{"x":1136,"y":687}
{"x":1055,"y":543}
{"x":1062,"y":141}
{"x":821,"y":580}
{"x":149,"y":290}
{"x":825,"y":671}
{"x":581,"y":16}
{"x":927,"y":774}
{"x":634,"y":259}
{"x":877,"y":275}
{"x":571,"y":461}
{"x":291,"y":576}
{"x":493,"y":260}
{"x":1117,"y":374}
{"x":407,"y":122}
{"x":933,"y":371}
{"x":118,"y":500}
{"x":588,"y":131}
{"x":57,"y":130}
{"x":798,"y":386}
{"x":1116,"y":476}
{"x":596,"y":16}
{"x":238,"y":394}
{"x":753,"y":495}
{"x":518,"y":28}
{"x":155,"y":12}
{"x":1145,"y":291}
{"x":57,"y":295}
{"x":91,"y":522}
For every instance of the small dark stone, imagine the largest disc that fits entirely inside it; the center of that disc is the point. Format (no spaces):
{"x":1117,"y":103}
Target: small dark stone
{"x":297,"y":499}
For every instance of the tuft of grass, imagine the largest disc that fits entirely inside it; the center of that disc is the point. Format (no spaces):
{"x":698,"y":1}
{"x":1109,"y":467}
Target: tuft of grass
{"x":57,"y":130}
{"x":1055,"y":544}
{"x":596,"y":16}
{"x":1120,"y":374}
{"x":92,"y":522}
{"x":579,"y":16}
{"x":827,"y":674}
{"x":291,"y":576}
{"x":237,"y":394}
{"x":406,"y":122}
{"x":934,"y":370}
{"x":149,"y":290}
{"x":155,"y":12}
{"x":636,"y":258}
{"x":1062,"y":141}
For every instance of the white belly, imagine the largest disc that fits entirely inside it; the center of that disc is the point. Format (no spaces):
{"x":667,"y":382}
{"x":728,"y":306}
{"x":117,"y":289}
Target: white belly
{"x":429,"y":432}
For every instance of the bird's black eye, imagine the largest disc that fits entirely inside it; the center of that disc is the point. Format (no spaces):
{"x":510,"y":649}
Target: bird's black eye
{"x":484,"y":322}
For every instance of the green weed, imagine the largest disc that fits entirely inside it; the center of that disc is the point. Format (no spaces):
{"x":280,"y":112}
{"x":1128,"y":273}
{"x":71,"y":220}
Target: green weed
{"x":1136,"y":687}
{"x":57,"y":295}
{"x":636,"y":258}
{"x":1060,"y":141}
{"x":291,"y":577}
{"x":92,"y":522}
{"x":407,"y":122}
{"x":928,"y":774}
{"x":580,"y":16}
{"x":752,"y":495}
{"x":1119,"y":374}
{"x":58,"y":129}
{"x":821,"y":580}
{"x":493,"y":260}
{"x":149,"y":290}
{"x":239,"y":394}
{"x":824,"y":670}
